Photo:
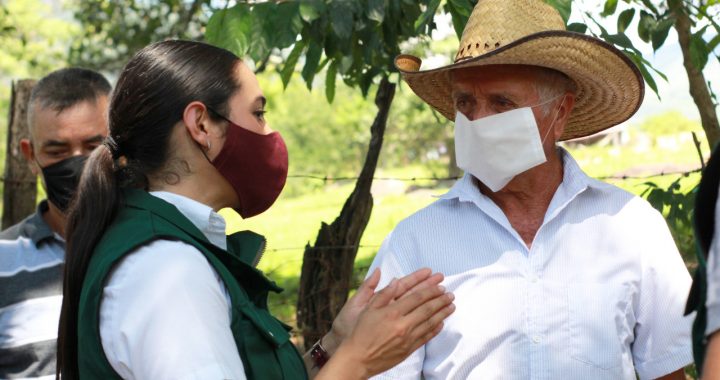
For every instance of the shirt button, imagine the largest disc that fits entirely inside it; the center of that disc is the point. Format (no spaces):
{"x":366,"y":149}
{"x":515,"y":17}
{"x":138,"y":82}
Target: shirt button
{"x":534,"y":278}
{"x":537,"y":339}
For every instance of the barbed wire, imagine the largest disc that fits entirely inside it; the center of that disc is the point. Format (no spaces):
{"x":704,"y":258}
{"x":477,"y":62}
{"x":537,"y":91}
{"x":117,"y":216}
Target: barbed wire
{"x":329,"y":178}
{"x":325,"y":247}
{"x":376,"y":246}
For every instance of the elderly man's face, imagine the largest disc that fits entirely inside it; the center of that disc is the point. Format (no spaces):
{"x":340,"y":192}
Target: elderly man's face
{"x":483,"y":91}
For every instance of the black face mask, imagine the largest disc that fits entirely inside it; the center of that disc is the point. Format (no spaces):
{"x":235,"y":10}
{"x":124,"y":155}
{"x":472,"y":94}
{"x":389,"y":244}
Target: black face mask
{"x":61,"y":180}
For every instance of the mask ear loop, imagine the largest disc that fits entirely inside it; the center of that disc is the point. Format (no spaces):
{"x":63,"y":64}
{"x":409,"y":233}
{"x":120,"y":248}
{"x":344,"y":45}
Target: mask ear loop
{"x":552,"y":125}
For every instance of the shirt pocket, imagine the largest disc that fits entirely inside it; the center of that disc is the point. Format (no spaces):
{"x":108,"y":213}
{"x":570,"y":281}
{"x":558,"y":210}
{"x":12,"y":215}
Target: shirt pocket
{"x":596,"y":313}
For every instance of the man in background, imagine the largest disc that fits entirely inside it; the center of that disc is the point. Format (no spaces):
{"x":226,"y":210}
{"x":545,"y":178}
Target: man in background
{"x":67,"y":119}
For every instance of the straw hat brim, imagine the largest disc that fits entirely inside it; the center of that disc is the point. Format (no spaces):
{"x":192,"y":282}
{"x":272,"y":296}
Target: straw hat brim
{"x":610,"y":87}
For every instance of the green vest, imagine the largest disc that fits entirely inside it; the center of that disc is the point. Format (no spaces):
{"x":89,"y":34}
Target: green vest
{"x":263,"y":342}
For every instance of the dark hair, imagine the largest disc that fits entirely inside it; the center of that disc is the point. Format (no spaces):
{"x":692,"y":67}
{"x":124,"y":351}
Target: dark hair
{"x":64,"y":88}
{"x":148,"y":101}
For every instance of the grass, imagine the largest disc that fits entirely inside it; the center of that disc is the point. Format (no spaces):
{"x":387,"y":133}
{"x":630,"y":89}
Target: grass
{"x":294,"y":221}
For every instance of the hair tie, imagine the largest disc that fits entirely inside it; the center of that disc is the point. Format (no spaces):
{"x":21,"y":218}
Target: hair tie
{"x":112,"y":146}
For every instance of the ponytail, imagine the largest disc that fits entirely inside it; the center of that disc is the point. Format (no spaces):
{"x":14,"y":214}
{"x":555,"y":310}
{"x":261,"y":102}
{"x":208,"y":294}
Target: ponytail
{"x":150,"y":96}
{"x":90,"y":213}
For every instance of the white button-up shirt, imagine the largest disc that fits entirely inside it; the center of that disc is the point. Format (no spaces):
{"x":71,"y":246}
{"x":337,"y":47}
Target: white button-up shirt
{"x":599,"y":295}
{"x":165,"y":312}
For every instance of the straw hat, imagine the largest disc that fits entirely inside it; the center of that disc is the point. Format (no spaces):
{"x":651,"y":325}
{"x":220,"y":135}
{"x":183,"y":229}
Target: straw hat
{"x":531,"y":32}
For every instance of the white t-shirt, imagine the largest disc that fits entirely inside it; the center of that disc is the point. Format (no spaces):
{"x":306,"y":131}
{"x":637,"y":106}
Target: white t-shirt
{"x":165,"y":312}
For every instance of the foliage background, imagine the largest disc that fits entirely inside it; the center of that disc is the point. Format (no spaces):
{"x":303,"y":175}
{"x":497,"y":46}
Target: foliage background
{"x":331,"y":139}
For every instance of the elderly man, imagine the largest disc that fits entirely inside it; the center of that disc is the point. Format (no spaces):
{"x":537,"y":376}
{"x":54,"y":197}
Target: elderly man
{"x":556,"y":275}
{"x":67,"y":120}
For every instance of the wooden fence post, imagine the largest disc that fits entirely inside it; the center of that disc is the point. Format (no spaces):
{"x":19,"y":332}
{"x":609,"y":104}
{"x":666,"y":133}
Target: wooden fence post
{"x":20,"y":185}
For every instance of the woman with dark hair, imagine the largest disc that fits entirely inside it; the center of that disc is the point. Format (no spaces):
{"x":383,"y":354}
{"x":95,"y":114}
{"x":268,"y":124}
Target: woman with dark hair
{"x":153,"y":287}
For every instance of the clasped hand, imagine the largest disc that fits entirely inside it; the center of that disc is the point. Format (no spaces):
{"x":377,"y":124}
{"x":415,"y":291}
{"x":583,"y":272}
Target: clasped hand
{"x":377,"y":330}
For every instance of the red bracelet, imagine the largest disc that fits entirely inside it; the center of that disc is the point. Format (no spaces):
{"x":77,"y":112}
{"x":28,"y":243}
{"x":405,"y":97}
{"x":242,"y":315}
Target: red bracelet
{"x":319,"y":355}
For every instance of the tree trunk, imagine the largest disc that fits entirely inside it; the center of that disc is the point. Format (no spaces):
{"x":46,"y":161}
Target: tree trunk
{"x":698,"y":85}
{"x":328,"y":266}
{"x":20,"y":191}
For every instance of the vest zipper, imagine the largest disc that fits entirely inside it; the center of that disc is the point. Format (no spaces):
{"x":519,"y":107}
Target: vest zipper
{"x":260,"y":253}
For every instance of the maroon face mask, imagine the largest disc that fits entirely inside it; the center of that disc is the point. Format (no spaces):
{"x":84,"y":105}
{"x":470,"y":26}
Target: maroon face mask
{"x":255,"y":165}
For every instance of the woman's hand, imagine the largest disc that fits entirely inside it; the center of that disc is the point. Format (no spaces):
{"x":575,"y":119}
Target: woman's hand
{"x":393,"y":323}
{"x":346,"y":319}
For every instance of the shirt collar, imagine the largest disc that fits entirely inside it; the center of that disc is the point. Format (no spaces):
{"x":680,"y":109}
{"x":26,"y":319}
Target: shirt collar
{"x":35,"y":227}
{"x":210,"y":223}
{"x":575,"y":181}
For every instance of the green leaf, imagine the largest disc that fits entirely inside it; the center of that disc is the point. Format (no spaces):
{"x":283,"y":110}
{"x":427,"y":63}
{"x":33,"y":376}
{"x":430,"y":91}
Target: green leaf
{"x":619,"y":39}
{"x":698,"y":50}
{"x":562,"y":6}
{"x":649,"y":5}
{"x":464,"y":7}
{"x":427,"y":16}
{"x":310,"y":10}
{"x":341,"y":18}
{"x":281,"y":22}
{"x":603,"y":31}
{"x":713,"y":43}
{"x":346,"y":63}
{"x":639,"y":62}
{"x":625,"y":19}
{"x":610,"y":7}
{"x":312,"y":60}
{"x":292,"y":59}
{"x":230,"y":29}
{"x":366,"y":81}
{"x":376,"y":10}
{"x":660,"y":32}
{"x":646,"y":26}
{"x":577,"y":27}
{"x":330,"y":81}
{"x":460,"y":13}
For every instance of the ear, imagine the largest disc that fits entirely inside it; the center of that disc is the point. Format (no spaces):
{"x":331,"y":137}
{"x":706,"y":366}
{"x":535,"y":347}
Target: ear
{"x":563,"y":115}
{"x":196,"y":121}
{"x":26,"y":147}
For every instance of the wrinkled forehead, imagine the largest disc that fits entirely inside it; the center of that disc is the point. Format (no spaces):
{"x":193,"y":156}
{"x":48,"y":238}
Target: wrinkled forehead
{"x":495,"y":73}
{"x":495,"y":78}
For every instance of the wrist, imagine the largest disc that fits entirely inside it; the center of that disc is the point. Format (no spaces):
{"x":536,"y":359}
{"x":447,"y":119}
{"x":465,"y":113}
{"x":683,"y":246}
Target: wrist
{"x":331,"y":341}
{"x":351,"y":361}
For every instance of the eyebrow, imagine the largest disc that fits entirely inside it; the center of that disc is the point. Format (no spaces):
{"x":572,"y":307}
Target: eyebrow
{"x":261,"y":99}
{"x":96,"y":138}
{"x":55,"y":143}
{"x":460,"y":94}
{"x":60,"y":143}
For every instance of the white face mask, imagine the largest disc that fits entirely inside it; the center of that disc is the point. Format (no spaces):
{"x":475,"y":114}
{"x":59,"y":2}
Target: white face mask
{"x":496,"y":148}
